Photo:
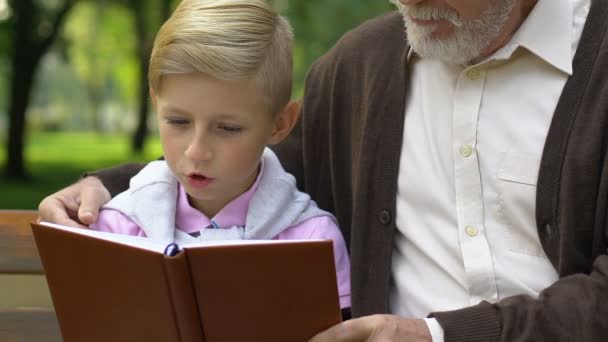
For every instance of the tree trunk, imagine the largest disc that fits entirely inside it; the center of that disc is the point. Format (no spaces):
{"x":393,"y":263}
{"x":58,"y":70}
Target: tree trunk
{"x":141,"y":131}
{"x":21,"y":84}
{"x":143,"y":54}
{"x":25,"y":59}
{"x":144,"y":50}
{"x":96,"y":100}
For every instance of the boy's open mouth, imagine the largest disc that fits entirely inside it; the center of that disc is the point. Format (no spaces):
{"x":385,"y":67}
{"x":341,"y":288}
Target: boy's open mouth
{"x":197,"y":177}
{"x":198,"y":180}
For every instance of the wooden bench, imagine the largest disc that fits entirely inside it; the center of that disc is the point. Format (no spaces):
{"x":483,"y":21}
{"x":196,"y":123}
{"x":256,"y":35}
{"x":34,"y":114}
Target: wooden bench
{"x":26,"y":310}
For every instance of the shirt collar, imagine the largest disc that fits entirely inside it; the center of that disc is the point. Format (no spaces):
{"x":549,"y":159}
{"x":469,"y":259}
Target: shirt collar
{"x":189,"y":219}
{"x":547,"y":33}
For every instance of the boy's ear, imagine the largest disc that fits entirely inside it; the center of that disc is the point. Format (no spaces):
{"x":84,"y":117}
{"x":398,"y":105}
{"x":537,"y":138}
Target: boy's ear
{"x":284,"y":122}
{"x":153,"y":96}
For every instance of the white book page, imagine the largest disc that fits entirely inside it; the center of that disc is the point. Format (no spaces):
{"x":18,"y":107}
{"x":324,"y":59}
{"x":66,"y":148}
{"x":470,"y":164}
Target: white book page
{"x":129,"y":240}
{"x":240,"y":242}
{"x":147,"y":244}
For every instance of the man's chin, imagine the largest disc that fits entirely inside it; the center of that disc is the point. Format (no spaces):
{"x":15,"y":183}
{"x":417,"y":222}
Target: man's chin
{"x":442,"y":47}
{"x":434,"y":50}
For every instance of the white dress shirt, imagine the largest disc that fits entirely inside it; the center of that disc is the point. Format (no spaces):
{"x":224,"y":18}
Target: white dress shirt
{"x":472,"y":144}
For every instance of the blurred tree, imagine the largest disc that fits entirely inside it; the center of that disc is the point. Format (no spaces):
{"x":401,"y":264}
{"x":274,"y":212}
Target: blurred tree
{"x":4,"y":44}
{"x":101,"y":51}
{"x":35,"y":25}
{"x":5,"y":13}
{"x":148,"y":19}
{"x":318,"y":24}
{"x":94,"y":70}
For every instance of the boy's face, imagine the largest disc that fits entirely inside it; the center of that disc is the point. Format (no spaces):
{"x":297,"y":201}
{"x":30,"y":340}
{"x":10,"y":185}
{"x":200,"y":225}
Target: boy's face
{"x":213,"y":133}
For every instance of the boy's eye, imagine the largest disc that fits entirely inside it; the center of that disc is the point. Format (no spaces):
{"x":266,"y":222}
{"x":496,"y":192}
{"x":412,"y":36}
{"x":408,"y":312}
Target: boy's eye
{"x":177,"y":122}
{"x":230,"y":128}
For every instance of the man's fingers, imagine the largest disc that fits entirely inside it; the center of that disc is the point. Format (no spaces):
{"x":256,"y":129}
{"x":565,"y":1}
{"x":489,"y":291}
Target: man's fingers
{"x":57,"y":209}
{"x":354,"y":330}
{"x":93,"y":196}
{"x":77,"y":205}
{"x":71,"y":223}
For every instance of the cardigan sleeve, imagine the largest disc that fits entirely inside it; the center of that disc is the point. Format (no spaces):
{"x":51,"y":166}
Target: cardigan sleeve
{"x":572,"y":309}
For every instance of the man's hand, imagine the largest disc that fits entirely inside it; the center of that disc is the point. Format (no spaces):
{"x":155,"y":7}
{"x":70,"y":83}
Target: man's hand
{"x":77,"y":205}
{"x":376,"y":328}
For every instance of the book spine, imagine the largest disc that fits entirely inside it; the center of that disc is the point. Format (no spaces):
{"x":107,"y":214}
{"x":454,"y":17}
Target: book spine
{"x":185,"y":309}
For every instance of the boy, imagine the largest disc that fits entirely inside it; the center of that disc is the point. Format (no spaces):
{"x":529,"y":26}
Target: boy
{"x":220,"y":81}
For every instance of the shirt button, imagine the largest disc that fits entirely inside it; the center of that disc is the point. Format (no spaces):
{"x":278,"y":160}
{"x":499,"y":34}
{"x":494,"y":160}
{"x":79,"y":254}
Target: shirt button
{"x":549,"y":230}
{"x":384,"y":217}
{"x":473,"y":74}
{"x":466,"y":151}
{"x":470,"y":230}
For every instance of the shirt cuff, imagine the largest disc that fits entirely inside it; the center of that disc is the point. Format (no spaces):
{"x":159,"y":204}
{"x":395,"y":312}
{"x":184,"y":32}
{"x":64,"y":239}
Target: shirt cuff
{"x":435,"y":329}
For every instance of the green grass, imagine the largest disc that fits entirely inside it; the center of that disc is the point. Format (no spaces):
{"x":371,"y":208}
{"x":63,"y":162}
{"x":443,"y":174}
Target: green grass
{"x":55,"y":160}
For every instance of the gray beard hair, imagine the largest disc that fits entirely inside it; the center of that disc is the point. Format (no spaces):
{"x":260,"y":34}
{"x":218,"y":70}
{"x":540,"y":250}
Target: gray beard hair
{"x":469,"y":38}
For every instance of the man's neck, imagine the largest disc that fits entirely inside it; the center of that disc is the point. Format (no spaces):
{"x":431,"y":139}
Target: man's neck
{"x":519,"y":13}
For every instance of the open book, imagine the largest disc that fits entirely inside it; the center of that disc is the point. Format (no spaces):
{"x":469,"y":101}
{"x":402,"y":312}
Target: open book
{"x":110,"y":287}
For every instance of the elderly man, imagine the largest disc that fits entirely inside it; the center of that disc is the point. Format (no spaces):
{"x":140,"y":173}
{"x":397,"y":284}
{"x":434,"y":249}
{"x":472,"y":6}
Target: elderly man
{"x":467,"y":164}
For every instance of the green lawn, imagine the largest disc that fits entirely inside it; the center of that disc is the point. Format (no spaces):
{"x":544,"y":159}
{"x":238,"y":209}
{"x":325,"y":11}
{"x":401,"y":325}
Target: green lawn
{"x":55,"y":160}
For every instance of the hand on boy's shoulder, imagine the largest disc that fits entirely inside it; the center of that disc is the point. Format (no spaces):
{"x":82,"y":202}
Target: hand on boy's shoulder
{"x":77,"y":205}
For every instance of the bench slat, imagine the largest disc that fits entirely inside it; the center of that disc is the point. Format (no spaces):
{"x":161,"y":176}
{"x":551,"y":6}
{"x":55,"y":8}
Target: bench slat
{"x":29,"y":324}
{"x":18,"y":248}
{"x":19,"y":260}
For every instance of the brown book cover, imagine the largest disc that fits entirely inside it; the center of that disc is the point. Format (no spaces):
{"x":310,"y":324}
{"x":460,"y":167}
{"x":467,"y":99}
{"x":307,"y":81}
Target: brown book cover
{"x":110,"y":287}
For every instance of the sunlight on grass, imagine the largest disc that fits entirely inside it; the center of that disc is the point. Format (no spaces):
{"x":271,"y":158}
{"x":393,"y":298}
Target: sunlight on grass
{"x":55,"y":160}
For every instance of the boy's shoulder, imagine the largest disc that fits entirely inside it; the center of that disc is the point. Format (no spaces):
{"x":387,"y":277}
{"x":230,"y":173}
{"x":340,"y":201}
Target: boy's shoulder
{"x":277,"y":204}
{"x":314,"y":228}
{"x":154,"y":172}
{"x":153,"y":188}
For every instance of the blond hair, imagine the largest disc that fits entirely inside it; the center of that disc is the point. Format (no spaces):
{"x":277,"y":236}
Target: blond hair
{"x":227,"y":40}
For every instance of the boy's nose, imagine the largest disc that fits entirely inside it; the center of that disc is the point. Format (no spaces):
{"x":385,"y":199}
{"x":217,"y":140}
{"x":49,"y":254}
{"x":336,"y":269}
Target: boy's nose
{"x":199,"y":150}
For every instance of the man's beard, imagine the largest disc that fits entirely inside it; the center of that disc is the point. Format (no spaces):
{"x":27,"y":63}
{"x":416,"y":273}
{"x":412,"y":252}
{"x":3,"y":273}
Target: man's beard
{"x":468,"y":38}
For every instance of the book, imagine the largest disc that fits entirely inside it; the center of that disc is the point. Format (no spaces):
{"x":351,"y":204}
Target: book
{"x":111,"y":287}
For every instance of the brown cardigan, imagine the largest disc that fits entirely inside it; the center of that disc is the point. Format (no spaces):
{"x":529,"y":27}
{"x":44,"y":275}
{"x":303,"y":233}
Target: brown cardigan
{"x":345,"y":154}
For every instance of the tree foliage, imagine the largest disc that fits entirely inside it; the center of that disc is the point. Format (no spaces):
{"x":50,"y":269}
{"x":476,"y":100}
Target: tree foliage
{"x":101,"y":50}
{"x":318,"y":24}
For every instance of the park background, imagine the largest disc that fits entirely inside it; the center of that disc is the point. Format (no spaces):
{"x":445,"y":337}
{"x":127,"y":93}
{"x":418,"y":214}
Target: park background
{"x":73,"y":87}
